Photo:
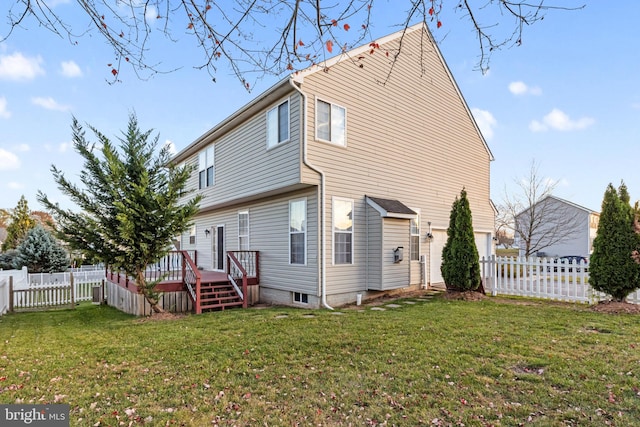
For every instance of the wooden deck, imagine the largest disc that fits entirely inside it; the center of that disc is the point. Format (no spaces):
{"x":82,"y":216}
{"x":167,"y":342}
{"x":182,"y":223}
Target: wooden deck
{"x":209,"y":290}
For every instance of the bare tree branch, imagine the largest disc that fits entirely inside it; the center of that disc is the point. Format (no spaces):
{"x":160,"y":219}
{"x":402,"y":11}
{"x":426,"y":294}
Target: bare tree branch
{"x":258,"y":37}
{"x":536,"y":220}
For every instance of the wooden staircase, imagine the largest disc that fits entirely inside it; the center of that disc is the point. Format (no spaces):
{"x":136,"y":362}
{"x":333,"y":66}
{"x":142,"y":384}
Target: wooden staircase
{"x":218,"y":296}
{"x":214,"y":290}
{"x":208,"y":290}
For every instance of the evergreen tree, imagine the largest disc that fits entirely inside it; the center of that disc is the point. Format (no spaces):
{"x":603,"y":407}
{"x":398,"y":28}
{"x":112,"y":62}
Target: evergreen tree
{"x":612,"y":269}
{"x":130,"y":204}
{"x":40,"y":252}
{"x":7,"y":259}
{"x":460,"y":261}
{"x":20,"y":222}
{"x":447,"y":267}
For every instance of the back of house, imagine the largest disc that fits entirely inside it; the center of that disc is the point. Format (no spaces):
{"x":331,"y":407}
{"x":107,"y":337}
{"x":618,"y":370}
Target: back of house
{"x":343,"y":176}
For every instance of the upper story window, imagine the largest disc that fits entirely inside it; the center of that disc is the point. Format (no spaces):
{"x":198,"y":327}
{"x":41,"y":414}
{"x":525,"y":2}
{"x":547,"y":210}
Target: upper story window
{"x":331,"y":123}
{"x":342,"y":231}
{"x":243,"y":231}
{"x":278,"y":124}
{"x":206,"y":168}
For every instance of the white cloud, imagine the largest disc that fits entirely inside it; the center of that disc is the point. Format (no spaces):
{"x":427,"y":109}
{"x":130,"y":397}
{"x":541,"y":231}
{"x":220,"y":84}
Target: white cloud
{"x":23,"y":147}
{"x":54,"y":3}
{"x":15,"y":185}
{"x":70,"y":69}
{"x":151,"y":15}
{"x":49,"y":104}
{"x":635,"y":105}
{"x":20,"y":67}
{"x":8,"y":160}
{"x":559,"y":120}
{"x":172,"y":147}
{"x":64,"y":146}
{"x":4,"y":113}
{"x":520,"y":88}
{"x":486,"y":122}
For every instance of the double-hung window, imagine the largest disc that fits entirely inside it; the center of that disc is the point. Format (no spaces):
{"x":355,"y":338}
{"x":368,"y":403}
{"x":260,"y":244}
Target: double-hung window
{"x":192,"y":235}
{"x":297,"y":231}
{"x":278,"y":125}
{"x":331,"y":123}
{"x":415,"y":238}
{"x":342,"y":231}
{"x":243,"y":231}
{"x":206,"y":167}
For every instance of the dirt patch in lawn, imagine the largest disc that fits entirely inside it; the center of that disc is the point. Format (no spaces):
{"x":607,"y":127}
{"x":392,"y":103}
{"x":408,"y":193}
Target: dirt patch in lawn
{"x":616,"y":307}
{"x":157,"y":317}
{"x":464,"y":296}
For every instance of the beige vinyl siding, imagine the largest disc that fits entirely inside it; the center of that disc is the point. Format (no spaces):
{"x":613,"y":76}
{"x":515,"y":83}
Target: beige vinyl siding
{"x":395,"y":234}
{"x":269,"y":234}
{"x":374,"y":249}
{"x":411,"y":139}
{"x":415,"y":272}
{"x":244,"y":167}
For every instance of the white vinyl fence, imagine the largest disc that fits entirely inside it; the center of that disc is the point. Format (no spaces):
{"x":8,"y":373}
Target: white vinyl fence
{"x":546,"y":278}
{"x":83,"y":281}
{"x":25,"y":291}
{"x":19,"y":278}
{"x":4,"y":295}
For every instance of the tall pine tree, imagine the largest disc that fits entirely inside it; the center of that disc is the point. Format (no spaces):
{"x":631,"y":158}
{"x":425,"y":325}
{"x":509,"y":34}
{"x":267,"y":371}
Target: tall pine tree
{"x":612,"y":269}
{"x":20,"y":222}
{"x":460,"y":261}
{"x":130,"y":203}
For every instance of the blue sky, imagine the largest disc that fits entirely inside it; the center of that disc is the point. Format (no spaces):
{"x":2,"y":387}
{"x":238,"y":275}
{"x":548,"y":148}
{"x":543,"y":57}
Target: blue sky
{"x":568,"y":98}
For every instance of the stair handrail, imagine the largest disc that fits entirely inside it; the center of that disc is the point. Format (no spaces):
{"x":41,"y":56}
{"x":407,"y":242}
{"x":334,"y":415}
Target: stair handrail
{"x":192,"y":279}
{"x":233,"y":264}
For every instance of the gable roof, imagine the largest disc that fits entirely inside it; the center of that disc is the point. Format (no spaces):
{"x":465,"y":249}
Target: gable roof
{"x":567,"y":202}
{"x":391,"y":208}
{"x":347,"y":55}
{"x":285,"y":86}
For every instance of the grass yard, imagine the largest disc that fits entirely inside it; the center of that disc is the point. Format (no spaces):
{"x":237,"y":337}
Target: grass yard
{"x":432,"y":362}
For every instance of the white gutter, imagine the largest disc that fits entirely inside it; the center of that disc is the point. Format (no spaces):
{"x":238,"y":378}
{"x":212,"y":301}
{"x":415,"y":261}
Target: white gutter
{"x":323,"y":239}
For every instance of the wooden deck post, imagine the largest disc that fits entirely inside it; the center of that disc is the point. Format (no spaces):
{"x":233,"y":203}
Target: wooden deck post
{"x":198,"y":297}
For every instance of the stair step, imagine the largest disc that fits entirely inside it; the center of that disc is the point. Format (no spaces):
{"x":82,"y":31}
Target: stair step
{"x":232,"y":298}
{"x":218,"y":296}
{"x":214,"y":307}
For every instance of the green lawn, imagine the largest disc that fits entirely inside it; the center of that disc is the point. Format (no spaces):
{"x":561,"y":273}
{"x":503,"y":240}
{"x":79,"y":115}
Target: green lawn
{"x":434,"y":362}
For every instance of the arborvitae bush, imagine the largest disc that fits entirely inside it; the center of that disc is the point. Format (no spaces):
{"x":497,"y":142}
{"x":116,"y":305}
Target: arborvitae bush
{"x":460,"y":261}
{"x":612,"y":269}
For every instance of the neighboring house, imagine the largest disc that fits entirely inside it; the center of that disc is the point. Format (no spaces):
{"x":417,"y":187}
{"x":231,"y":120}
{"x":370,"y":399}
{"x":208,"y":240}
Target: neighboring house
{"x":560,"y":228}
{"x":343,"y":176}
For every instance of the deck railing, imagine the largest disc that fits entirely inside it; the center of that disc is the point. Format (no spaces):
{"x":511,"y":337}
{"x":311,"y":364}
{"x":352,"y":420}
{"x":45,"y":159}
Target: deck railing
{"x":237,"y":273}
{"x":250,"y":261}
{"x":192,"y":279}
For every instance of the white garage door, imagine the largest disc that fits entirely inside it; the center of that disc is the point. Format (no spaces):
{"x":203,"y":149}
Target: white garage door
{"x":437,"y":244}
{"x":483,"y":243}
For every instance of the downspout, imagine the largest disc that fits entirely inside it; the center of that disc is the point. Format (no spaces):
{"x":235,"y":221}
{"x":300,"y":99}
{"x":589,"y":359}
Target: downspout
{"x":323,"y":239}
